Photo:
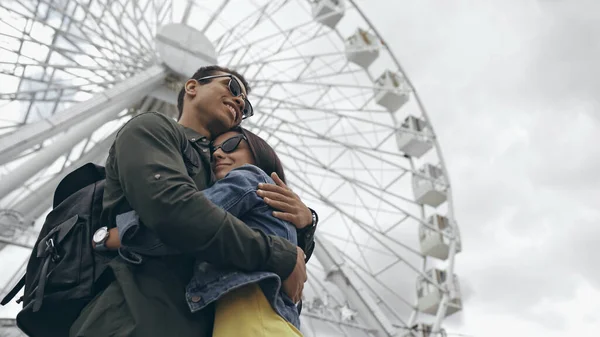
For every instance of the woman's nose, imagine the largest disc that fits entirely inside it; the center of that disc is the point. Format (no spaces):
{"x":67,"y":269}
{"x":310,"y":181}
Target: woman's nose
{"x":219,"y":154}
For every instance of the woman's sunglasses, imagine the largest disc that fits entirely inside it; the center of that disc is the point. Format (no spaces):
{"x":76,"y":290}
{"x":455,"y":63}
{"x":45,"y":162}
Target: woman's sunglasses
{"x":229,"y":145}
{"x":236,"y":90}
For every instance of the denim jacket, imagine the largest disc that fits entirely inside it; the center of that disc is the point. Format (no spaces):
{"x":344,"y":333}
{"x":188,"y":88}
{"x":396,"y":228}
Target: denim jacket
{"x":236,"y":193}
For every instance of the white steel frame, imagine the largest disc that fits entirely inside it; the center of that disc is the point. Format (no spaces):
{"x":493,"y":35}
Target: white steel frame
{"x":106,"y":105}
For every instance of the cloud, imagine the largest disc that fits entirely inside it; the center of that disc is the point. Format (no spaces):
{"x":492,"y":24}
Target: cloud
{"x":512,"y":90}
{"x":565,"y":55}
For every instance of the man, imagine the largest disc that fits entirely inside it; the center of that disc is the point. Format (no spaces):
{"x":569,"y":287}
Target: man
{"x":158,"y":168}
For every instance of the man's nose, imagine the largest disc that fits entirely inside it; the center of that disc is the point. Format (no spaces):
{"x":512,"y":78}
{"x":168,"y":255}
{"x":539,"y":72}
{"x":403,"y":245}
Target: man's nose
{"x":241,"y":103}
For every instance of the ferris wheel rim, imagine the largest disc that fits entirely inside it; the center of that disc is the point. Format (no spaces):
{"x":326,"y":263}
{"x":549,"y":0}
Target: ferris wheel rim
{"x":416,"y":98}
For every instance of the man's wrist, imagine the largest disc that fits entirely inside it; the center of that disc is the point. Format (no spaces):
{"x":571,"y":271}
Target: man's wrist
{"x":314,"y":220}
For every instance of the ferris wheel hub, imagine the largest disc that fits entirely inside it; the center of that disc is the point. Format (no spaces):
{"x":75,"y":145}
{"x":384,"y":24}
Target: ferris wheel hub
{"x":358,"y":146}
{"x":184,"y":49}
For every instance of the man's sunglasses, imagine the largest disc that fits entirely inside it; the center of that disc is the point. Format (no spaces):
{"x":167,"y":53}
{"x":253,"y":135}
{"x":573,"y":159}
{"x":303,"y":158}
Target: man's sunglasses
{"x":236,"y":90}
{"x":229,"y":145}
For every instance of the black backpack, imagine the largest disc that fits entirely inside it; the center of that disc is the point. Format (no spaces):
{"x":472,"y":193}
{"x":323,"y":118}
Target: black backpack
{"x":63,"y":273}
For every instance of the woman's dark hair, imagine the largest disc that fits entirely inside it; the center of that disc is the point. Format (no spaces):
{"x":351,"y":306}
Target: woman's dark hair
{"x":204,"y":72}
{"x":264,"y":155}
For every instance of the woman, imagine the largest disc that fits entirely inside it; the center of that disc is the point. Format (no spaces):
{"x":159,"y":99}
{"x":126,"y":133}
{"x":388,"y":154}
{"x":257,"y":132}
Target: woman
{"x":250,"y":302}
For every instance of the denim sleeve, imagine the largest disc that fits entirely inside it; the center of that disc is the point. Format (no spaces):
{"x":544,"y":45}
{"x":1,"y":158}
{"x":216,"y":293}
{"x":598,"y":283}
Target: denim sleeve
{"x":236,"y":193}
{"x":136,"y":239}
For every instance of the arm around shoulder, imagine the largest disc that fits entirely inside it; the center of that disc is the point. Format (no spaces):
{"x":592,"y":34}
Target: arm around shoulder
{"x":154,"y":179}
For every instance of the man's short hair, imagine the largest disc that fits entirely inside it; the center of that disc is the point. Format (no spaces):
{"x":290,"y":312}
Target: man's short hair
{"x":204,"y":72}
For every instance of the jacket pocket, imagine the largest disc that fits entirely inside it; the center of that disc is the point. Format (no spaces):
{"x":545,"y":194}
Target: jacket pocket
{"x":64,"y":271}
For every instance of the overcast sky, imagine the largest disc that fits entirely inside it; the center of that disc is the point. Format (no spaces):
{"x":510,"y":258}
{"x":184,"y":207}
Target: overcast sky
{"x":510,"y":86}
{"x":512,"y":90}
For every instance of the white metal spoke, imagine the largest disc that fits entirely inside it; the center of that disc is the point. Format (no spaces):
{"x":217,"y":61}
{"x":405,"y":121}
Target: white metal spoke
{"x":259,"y":13}
{"x":120,"y":38}
{"x":338,"y":322}
{"x":363,"y":186}
{"x":315,"y":102}
{"x":332,"y":111}
{"x":366,"y":227}
{"x":214,"y":15}
{"x":336,"y":85}
{"x":360,"y":149}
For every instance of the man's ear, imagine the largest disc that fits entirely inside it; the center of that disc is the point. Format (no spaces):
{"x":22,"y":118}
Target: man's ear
{"x":190,"y":87}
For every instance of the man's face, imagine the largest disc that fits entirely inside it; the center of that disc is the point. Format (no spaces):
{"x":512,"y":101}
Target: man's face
{"x":214,"y":104}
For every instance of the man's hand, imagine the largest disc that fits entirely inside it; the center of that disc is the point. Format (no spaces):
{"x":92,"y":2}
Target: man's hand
{"x":294,"y":284}
{"x":282,"y":198}
{"x":113,"y":242}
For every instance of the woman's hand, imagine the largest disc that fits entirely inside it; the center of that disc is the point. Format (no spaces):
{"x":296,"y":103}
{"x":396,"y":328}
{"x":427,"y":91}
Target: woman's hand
{"x":282,"y":198}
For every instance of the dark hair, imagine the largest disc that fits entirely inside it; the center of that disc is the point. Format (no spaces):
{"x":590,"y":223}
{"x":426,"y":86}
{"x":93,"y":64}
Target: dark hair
{"x":264,"y":155}
{"x":208,"y":71}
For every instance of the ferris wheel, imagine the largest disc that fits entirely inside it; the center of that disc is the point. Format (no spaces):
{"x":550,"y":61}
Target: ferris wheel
{"x":329,"y":96}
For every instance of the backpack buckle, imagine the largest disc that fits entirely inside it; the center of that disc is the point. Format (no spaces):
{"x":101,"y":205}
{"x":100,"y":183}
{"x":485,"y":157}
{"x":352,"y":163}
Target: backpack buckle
{"x":51,"y":248}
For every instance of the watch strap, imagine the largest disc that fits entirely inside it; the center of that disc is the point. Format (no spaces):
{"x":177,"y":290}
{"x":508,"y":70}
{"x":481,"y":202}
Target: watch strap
{"x":100,"y":247}
{"x":306,"y":236}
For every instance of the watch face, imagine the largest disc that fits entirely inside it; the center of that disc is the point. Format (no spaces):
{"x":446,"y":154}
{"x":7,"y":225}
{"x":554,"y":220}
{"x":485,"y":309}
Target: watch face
{"x":100,"y":235}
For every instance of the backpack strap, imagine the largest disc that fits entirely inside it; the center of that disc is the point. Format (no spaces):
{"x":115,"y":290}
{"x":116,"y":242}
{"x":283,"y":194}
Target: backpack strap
{"x":39,"y":291}
{"x":14,"y":291}
{"x":47,"y":249}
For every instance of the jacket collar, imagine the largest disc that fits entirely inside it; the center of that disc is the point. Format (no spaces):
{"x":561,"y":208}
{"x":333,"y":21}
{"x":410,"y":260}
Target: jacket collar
{"x":194,"y":136}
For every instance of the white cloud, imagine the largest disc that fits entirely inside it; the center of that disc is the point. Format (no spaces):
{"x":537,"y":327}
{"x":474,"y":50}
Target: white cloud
{"x":512,"y":91}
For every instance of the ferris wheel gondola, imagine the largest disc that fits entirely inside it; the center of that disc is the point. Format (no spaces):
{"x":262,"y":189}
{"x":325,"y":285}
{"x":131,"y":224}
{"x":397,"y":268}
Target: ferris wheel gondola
{"x":329,"y":95}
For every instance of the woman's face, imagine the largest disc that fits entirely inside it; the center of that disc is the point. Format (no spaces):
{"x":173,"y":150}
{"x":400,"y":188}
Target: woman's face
{"x":223,"y":162}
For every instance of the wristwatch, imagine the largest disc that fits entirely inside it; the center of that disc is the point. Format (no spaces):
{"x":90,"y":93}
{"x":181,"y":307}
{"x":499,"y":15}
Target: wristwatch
{"x":306,"y":236}
{"x":315,"y":217}
{"x":315,"y":220}
{"x":100,"y":237}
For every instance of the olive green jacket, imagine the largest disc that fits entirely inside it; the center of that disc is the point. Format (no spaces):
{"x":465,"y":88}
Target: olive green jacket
{"x":158,"y":168}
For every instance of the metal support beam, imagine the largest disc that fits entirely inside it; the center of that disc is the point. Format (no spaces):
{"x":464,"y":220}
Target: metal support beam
{"x":113,"y":104}
{"x":8,"y":327}
{"x":25,"y":239}
{"x":440,"y":314}
{"x":447,"y":291}
{"x":45,"y":157}
{"x":214,"y":15}
{"x":335,"y":322}
{"x":344,"y":277}
{"x":305,"y":326}
{"x":131,"y":89}
{"x":165,"y":94}
{"x":40,"y":200}
{"x":14,"y":278}
{"x":187,"y":11}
